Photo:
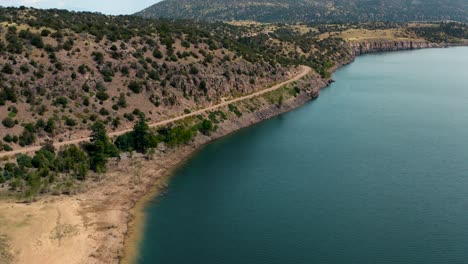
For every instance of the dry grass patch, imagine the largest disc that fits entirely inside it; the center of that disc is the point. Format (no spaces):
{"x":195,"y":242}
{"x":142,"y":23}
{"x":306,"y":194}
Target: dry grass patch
{"x":6,"y":256}
{"x":357,"y":35}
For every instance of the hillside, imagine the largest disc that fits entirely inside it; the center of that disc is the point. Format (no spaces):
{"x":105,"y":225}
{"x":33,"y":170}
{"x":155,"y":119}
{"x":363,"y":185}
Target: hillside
{"x":62,"y":72}
{"x":95,"y":110}
{"x":59,"y":77}
{"x":310,"y":11}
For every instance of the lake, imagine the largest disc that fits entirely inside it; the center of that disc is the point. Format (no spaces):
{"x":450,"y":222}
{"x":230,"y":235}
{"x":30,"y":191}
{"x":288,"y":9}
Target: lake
{"x":374,"y":171}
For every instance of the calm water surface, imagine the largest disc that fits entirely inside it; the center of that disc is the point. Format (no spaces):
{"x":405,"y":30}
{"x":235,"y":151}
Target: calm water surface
{"x":375,"y":171}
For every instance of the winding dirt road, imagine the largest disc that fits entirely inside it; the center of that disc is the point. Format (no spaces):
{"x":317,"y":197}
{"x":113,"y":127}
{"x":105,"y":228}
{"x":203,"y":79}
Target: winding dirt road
{"x":304,"y":71}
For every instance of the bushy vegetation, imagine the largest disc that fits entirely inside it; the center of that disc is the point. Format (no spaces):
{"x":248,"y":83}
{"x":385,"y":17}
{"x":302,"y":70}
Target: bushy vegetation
{"x":444,"y":32}
{"x":59,"y":171}
{"x":318,"y":11}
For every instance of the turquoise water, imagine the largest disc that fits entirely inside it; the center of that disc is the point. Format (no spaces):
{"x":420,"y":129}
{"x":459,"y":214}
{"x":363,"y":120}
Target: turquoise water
{"x":374,"y":171}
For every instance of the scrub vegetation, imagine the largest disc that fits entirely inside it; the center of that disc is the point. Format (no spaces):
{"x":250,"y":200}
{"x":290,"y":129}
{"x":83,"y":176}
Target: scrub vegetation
{"x":67,"y":75}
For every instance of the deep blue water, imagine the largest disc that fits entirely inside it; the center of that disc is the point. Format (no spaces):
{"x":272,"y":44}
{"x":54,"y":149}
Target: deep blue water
{"x":374,"y":171}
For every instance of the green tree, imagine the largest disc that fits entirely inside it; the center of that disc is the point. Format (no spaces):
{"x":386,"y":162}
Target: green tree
{"x":24,"y":161}
{"x":50,"y":126}
{"x":35,"y":183}
{"x":100,"y":148}
{"x":141,"y":134}
{"x":206,"y":127}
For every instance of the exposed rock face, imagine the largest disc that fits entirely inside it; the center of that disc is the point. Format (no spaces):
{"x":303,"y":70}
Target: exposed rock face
{"x":359,"y":48}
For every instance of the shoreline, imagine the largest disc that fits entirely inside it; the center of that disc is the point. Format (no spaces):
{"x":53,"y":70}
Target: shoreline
{"x":135,"y":236}
{"x":136,"y":226}
{"x":105,"y":222}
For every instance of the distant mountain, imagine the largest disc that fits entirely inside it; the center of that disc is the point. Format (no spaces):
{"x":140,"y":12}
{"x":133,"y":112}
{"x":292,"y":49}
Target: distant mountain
{"x":291,"y":11}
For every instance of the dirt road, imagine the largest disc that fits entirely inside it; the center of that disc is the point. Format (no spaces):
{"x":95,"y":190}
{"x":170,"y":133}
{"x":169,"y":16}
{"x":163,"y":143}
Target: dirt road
{"x":304,"y":71}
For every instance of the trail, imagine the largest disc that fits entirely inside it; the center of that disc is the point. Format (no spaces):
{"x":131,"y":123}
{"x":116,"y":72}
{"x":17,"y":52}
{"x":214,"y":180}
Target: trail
{"x":304,"y":71}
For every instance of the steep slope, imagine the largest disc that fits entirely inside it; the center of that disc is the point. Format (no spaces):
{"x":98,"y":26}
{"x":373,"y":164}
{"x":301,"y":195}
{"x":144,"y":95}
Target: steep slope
{"x":310,"y":11}
{"x":61,"y":71}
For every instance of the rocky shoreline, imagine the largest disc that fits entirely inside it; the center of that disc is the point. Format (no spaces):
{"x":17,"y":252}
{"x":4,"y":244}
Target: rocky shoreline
{"x":317,"y":83}
{"x":360,"y":48}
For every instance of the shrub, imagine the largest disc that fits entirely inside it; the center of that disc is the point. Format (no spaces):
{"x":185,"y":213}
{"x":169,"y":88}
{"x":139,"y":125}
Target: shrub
{"x":83,"y":68}
{"x":234,"y":109}
{"x":125,"y":142}
{"x":206,"y":127}
{"x":70,"y":122}
{"x":24,"y":68}
{"x":7,"y":68}
{"x":98,"y":57}
{"x":157,"y":54}
{"x":130,"y":117}
{"x":104,"y":112}
{"x":122,"y":101}
{"x":36,"y":40}
{"x":8,"y":122}
{"x":62,"y":101}
{"x":45,"y":32}
{"x":7,"y":147}
{"x":135,"y":87}
{"x":194,"y":70}
{"x":24,"y":161}
{"x":27,"y":137}
{"x":50,"y":126}
{"x":203,"y":87}
{"x":8,"y":138}
{"x":102,"y":95}
{"x":125,"y":70}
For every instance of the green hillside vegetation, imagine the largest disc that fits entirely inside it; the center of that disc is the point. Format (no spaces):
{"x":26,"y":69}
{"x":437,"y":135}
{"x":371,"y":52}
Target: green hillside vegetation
{"x":64,"y":70}
{"x":60,"y":171}
{"x":67,"y":75}
{"x":307,"y":11}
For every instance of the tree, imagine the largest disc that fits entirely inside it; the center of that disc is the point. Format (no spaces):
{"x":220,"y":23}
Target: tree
{"x":73,"y":159}
{"x":44,"y":158}
{"x":27,"y":137}
{"x":24,"y":161}
{"x":34,"y":182}
{"x":141,"y":134}
{"x":125,"y":142}
{"x":203,"y":87}
{"x":50,"y":126}
{"x":206,"y":127}
{"x":101,"y":148}
{"x":140,"y":139}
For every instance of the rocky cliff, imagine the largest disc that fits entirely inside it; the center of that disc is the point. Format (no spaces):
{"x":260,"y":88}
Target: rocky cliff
{"x":359,"y":48}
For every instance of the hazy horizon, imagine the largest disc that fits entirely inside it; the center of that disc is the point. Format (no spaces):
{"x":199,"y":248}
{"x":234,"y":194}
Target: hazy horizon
{"x":110,"y":7}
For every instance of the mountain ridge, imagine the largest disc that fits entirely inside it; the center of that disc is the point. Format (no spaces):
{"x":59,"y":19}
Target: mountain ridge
{"x":310,"y":11}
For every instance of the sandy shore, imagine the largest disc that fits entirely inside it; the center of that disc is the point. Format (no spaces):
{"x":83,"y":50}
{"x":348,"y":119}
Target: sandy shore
{"x":84,"y":228}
